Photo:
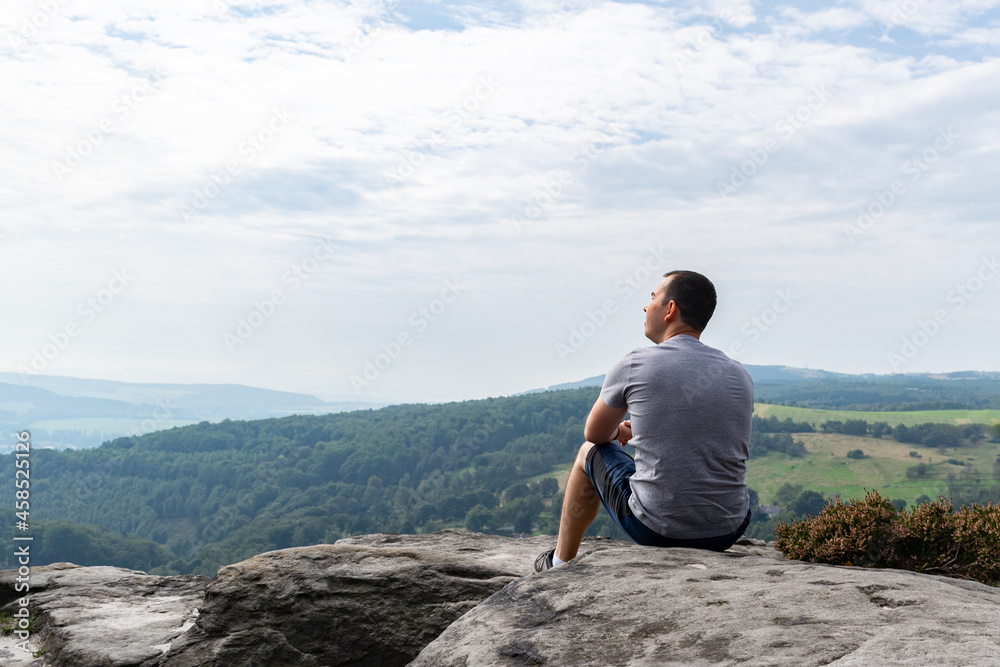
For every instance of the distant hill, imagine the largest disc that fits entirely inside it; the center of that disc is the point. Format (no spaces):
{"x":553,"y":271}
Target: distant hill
{"x":814,"y":388}
{"x":760,"y":374}
{"x":77,"y":412}
{"x":67,"y":412}
{"x":789,"y":375}
{"x":595,"y":381}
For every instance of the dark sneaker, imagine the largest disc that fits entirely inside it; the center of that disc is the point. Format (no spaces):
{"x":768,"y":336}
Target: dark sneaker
{"x":544,"y":560}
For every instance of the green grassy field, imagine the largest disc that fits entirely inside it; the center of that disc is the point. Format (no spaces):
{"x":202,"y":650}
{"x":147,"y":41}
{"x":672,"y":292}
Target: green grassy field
{"x":827,"y":469}
{"x":817,"y":417}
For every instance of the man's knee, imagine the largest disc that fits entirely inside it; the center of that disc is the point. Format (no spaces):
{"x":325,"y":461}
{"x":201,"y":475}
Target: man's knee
{"x":581,"y":456}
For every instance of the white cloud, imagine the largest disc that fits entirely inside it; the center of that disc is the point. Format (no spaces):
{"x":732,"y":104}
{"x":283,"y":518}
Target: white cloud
{"x":927,"y":17}
{"x":615,"y":121}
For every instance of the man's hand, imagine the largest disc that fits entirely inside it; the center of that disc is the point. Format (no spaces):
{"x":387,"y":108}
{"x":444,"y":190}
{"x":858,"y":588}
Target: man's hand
{"x":602,"y":422}
{"x":625,"y":432}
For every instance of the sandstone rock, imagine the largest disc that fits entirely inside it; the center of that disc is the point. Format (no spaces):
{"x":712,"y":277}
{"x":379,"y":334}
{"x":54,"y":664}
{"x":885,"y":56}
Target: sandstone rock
{"x":469,"y":599}
{"x":514,"y":555}
{"x":97,"y":616}
{"x":374,"y":600}
{"x":619,"y":604}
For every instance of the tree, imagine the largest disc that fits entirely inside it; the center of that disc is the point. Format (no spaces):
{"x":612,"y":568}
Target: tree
{"x":855,"y":427}
{"x":809,"y":503}
{"x":899,"y":504}
{"x":996,"y":469}
{"x":974,"y":433}
{"x":548,"y":487}
{"x":796,"y":448}
{"x":479,"y":520}
{"x":522,"y":523}
{"x":761,"y":443}
{"x":878,"y":429}
{"x":855,"y":454}
{"x":513,"y":492}
{"x":787,"y":494}
{"x":941,"y":437}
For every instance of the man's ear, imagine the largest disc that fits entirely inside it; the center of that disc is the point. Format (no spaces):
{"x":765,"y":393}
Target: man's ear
{"x":672,"y":310}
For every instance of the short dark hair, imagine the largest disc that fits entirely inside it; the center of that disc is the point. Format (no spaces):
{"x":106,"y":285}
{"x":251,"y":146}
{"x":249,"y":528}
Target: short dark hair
{"x":694,"y":294}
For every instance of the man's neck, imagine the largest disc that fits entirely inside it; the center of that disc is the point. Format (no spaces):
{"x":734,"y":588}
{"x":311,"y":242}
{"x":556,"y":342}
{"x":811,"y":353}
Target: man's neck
{"x":686,"y":331}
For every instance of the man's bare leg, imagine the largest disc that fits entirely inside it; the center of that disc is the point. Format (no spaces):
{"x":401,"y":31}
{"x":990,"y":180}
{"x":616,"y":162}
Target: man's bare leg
{"x":580,"y":506}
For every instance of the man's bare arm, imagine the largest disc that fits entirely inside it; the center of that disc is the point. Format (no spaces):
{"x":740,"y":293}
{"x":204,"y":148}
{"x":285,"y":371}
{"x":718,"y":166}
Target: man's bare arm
{"x":603,"y":421}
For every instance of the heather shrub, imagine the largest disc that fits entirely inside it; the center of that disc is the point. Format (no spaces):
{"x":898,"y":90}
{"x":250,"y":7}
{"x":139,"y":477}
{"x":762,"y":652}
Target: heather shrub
{"x":932,"y":538}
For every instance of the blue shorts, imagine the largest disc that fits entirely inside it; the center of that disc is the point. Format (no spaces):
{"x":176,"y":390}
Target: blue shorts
{"x":609,"y":468}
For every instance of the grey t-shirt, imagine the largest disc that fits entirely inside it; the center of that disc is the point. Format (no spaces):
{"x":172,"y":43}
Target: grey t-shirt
{"x":691,"y":408}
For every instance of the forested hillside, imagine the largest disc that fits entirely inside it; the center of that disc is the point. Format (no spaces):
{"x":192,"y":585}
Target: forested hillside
{"x":973,"y":391}
{"x":218,"y":493}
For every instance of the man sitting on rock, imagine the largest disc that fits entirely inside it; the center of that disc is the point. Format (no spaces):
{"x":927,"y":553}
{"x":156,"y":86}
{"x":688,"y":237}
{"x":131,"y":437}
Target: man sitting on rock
{"x":690,"y":407}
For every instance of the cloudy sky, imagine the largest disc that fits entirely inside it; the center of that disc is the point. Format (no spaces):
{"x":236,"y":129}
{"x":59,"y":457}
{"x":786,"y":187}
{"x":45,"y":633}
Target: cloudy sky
{"x":427,"y":201}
